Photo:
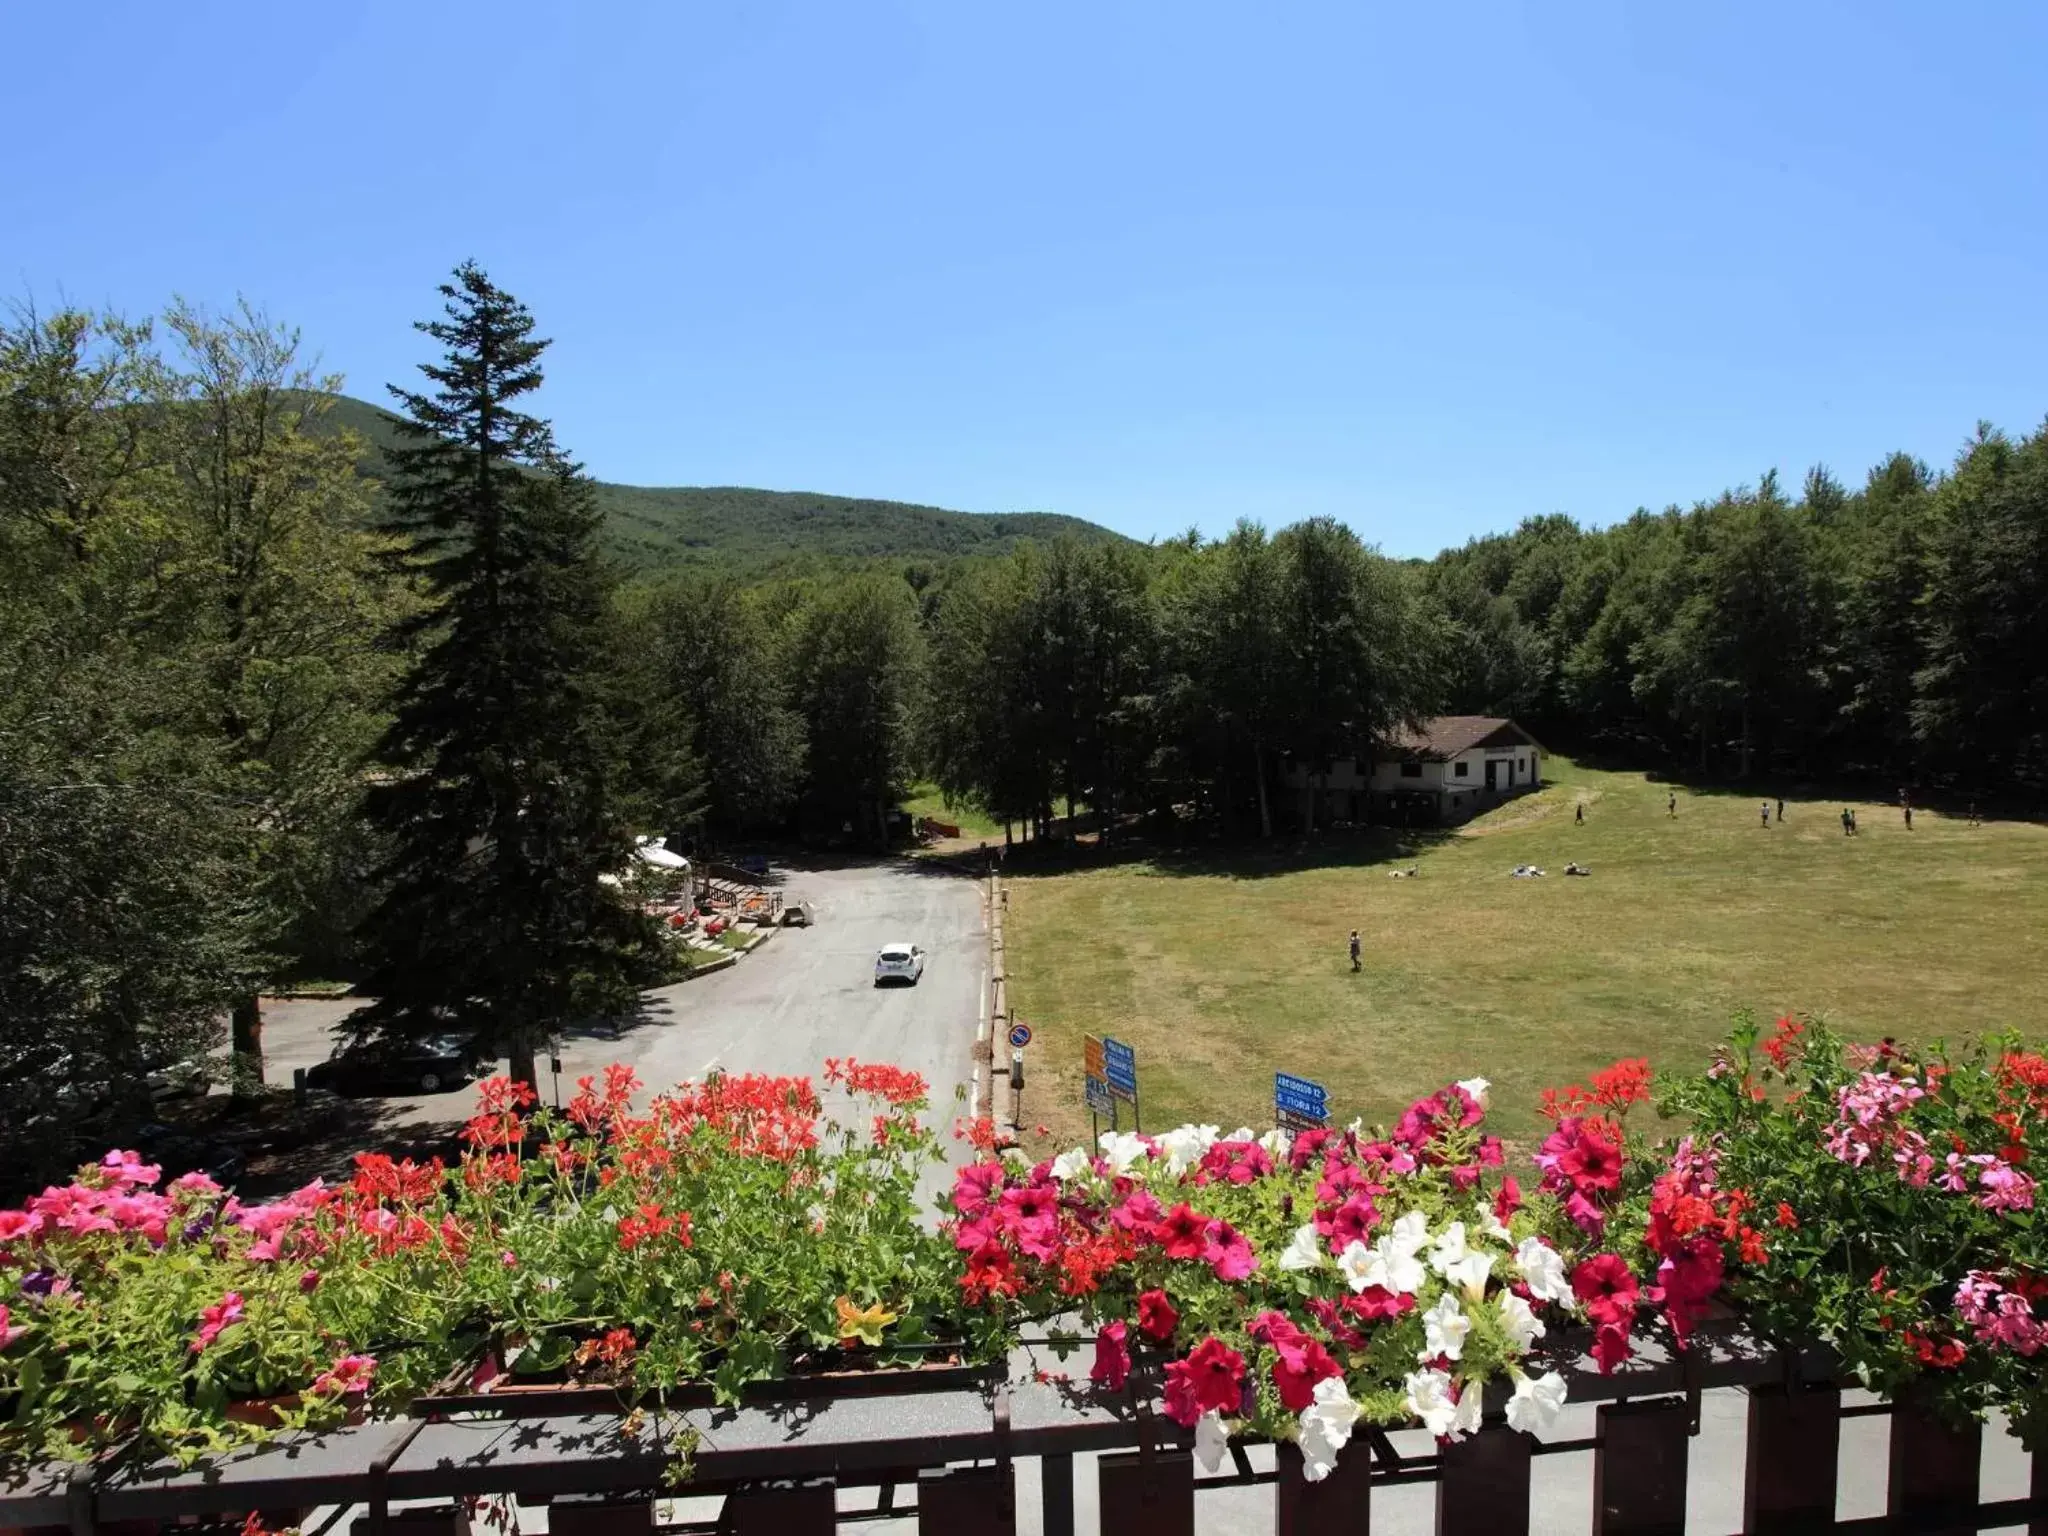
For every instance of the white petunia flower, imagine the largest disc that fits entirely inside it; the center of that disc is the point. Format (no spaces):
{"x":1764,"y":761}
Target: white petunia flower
{"x":1304,"y":1250}
{"x":1541,"y":1267}
{"x":1242,"y":1133}
{"x":1521,"y":1323}
{"x":1391,"y":1268}
{"x":1212,"y":1440}
{"x":1326,"y":1428}
{"x":1123,"y":1149}
{"x":1410,"y":1233}
{"x":1357,"y":1264}
{"x":1356,"y":1126}
{"x":1469,"y":1273}
{"x":1536,"y":1402}
{"x":1184,"y":1146}
{"x":1477,"y":1087}
{"x":1429,"y":1399}
{"x":1471,"y":1399}
{"x":1444,"y":1328}
{"x":1490,"y":1225}
{"x":1072,"y":1164}
{"x":1277,"y":1142}
{"x":1449,"y":1248}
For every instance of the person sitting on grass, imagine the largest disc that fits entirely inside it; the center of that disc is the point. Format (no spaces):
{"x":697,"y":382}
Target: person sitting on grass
{"x":1577,"y":869}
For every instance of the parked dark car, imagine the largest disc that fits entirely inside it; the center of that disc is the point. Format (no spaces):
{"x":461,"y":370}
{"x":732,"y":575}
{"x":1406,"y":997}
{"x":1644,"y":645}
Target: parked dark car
{"x":180,"y":1152}
{"x":432,"y":1065}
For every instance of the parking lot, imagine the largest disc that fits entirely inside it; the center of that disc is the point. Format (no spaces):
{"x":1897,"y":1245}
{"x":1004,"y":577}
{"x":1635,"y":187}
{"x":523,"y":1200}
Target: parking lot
{"x":807,"y":994}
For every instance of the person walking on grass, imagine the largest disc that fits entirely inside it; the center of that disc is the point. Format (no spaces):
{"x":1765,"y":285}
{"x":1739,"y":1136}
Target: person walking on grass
{"x":1973,"y":815}
{"x":1781,"y":810}
{"x":1356,"y":964}
{"x":1671,"y":804}
{"x":1579,"y":814}
{"x":1765,"y":808}
{"x":1908,"y":809}
{"x":1848,"y":823}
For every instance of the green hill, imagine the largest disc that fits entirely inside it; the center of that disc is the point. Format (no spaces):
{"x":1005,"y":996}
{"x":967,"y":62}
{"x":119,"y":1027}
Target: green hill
{"x":653,"y":526}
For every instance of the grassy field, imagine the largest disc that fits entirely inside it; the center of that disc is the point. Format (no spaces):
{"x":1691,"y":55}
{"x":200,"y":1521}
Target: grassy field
{"x":1221,"y":972}
{"x":925,"y":800}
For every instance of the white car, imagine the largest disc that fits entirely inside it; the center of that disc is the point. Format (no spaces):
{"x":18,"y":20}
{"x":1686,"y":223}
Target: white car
{"x":899,"y":962}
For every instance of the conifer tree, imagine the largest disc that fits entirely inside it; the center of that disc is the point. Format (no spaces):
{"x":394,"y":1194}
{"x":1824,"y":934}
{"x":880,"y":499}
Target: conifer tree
{"x":499,"y":797}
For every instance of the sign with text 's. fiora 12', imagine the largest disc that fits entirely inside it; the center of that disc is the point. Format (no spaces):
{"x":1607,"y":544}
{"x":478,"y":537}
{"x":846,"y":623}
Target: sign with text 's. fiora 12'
{"x":1298,"y":1103}
{"x":1095,"y":1077}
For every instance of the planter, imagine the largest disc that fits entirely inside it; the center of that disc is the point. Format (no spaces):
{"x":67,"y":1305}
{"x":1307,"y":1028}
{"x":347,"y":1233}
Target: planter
{"x":268,"y":1412}
{"x":511,"y":1397}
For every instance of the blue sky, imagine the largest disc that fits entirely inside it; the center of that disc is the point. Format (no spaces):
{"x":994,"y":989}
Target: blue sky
{"x":1430,"y":269}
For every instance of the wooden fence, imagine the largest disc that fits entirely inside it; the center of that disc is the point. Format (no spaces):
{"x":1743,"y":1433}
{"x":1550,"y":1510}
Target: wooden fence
{"x":952,"y":1460}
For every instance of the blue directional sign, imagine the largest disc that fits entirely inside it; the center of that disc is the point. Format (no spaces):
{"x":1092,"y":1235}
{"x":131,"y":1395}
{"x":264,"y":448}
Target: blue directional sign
{"x":1097,"y":1094}
{"x":1020,"y":1035}
{"x":1120,"y":1066}
{"x":1298,"y":1098}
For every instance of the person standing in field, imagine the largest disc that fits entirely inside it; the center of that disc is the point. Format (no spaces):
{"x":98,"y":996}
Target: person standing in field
{"x":1579,"y":814}
{"x":1973,"y":814}
{"x":1908,"y":809}
{"x":1781,"y":810}
{"x":1671,"y":803}
{"x":1848,"y":824}
{"x":1765,"y":810}
{"x":1356,"y":963}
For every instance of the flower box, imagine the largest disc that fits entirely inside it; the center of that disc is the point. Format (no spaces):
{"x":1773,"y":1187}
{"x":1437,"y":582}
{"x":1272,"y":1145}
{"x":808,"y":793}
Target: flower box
{"x":486,"y":1387}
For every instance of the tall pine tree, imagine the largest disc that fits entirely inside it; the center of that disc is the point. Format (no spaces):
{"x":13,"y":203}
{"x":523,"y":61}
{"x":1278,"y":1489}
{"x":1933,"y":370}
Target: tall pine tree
{"x":499,"y":801}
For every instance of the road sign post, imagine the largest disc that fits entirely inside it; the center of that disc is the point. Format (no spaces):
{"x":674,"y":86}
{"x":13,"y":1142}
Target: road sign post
{"x":1299,"y":1104}
{"x":1095,"y":1085}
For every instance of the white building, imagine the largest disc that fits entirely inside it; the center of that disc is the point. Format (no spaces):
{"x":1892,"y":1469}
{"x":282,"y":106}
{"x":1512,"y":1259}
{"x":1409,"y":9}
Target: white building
{"x":1447,"y":770}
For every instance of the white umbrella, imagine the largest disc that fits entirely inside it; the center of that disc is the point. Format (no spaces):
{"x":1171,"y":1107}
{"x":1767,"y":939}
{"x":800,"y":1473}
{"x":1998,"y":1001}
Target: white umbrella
{"x":652,"y":852}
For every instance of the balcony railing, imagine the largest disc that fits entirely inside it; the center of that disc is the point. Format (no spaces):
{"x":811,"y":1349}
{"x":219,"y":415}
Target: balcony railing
{"x":951,"y":1460}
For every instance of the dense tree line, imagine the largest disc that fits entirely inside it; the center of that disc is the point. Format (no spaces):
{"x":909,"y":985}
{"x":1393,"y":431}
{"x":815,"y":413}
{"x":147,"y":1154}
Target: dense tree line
{"x":1898,"y":631}
{"x":262,"y":716}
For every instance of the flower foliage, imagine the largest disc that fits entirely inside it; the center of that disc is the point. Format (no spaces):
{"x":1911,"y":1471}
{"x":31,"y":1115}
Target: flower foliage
{"x":1902,"y":1228}
{"x":724,"y":1233}
{"x":1284,"y":1285}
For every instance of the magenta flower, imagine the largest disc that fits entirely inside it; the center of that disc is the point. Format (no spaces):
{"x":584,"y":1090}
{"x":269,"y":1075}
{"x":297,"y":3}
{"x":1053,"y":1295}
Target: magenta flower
{"x":2005,"y":1188}
{"x":1228,"y":1253}
{"x":9,"y":1332}
{"x":222,"y":1314}
{"x":347,"y":1375}
{"x":1112,"y":1367}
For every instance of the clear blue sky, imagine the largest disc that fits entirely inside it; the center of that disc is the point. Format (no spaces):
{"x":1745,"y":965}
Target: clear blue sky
{"x":1430,"y":269}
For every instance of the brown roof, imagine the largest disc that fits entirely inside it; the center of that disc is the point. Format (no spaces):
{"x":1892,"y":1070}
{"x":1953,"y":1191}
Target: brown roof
{"x":1448,"y":735}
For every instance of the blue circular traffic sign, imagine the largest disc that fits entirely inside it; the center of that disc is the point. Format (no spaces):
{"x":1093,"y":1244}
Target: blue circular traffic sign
{"x":1020,"y":1035}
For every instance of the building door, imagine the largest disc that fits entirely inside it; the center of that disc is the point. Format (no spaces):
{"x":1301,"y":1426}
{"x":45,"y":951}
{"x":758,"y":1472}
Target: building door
{"x":1492,"y":766}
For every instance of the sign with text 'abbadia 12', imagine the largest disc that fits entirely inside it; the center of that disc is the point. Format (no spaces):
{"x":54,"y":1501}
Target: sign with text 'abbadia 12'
{"x":1298,"y":1104}
{"x":1120,"y":1066}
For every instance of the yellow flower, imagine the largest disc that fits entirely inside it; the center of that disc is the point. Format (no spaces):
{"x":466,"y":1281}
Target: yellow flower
{"x":865,"y":1324}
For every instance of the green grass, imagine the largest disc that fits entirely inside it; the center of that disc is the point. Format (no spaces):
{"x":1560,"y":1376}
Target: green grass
{"x":925,"y":800}
{"x":1219,"y":974}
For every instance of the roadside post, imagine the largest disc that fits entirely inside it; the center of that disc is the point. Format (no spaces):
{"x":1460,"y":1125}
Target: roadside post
{"x":1299,"y":1104}
{"x":1020,"y":1036}
{"x":1120,"y":1069}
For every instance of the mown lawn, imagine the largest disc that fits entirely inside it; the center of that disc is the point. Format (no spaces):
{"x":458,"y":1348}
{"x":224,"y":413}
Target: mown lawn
{"x":925,"y":800}
{"x":1221,"y":972}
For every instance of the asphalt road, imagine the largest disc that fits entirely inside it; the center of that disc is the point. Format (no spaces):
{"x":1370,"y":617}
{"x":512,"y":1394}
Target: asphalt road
{"x":807,"y":994}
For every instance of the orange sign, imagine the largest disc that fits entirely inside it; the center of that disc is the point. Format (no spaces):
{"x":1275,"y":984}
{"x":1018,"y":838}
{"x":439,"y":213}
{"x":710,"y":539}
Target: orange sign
{"x":1092,"y":1056}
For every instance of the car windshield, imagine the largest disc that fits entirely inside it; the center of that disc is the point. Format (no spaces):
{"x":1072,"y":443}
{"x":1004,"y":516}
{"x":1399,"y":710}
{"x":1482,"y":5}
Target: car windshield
{"x":895,"y":954}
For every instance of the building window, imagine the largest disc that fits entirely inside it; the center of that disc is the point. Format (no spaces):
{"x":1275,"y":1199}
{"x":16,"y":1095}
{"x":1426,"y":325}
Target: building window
{"x":1411,"y":770}
{"x":1461,"y":769}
